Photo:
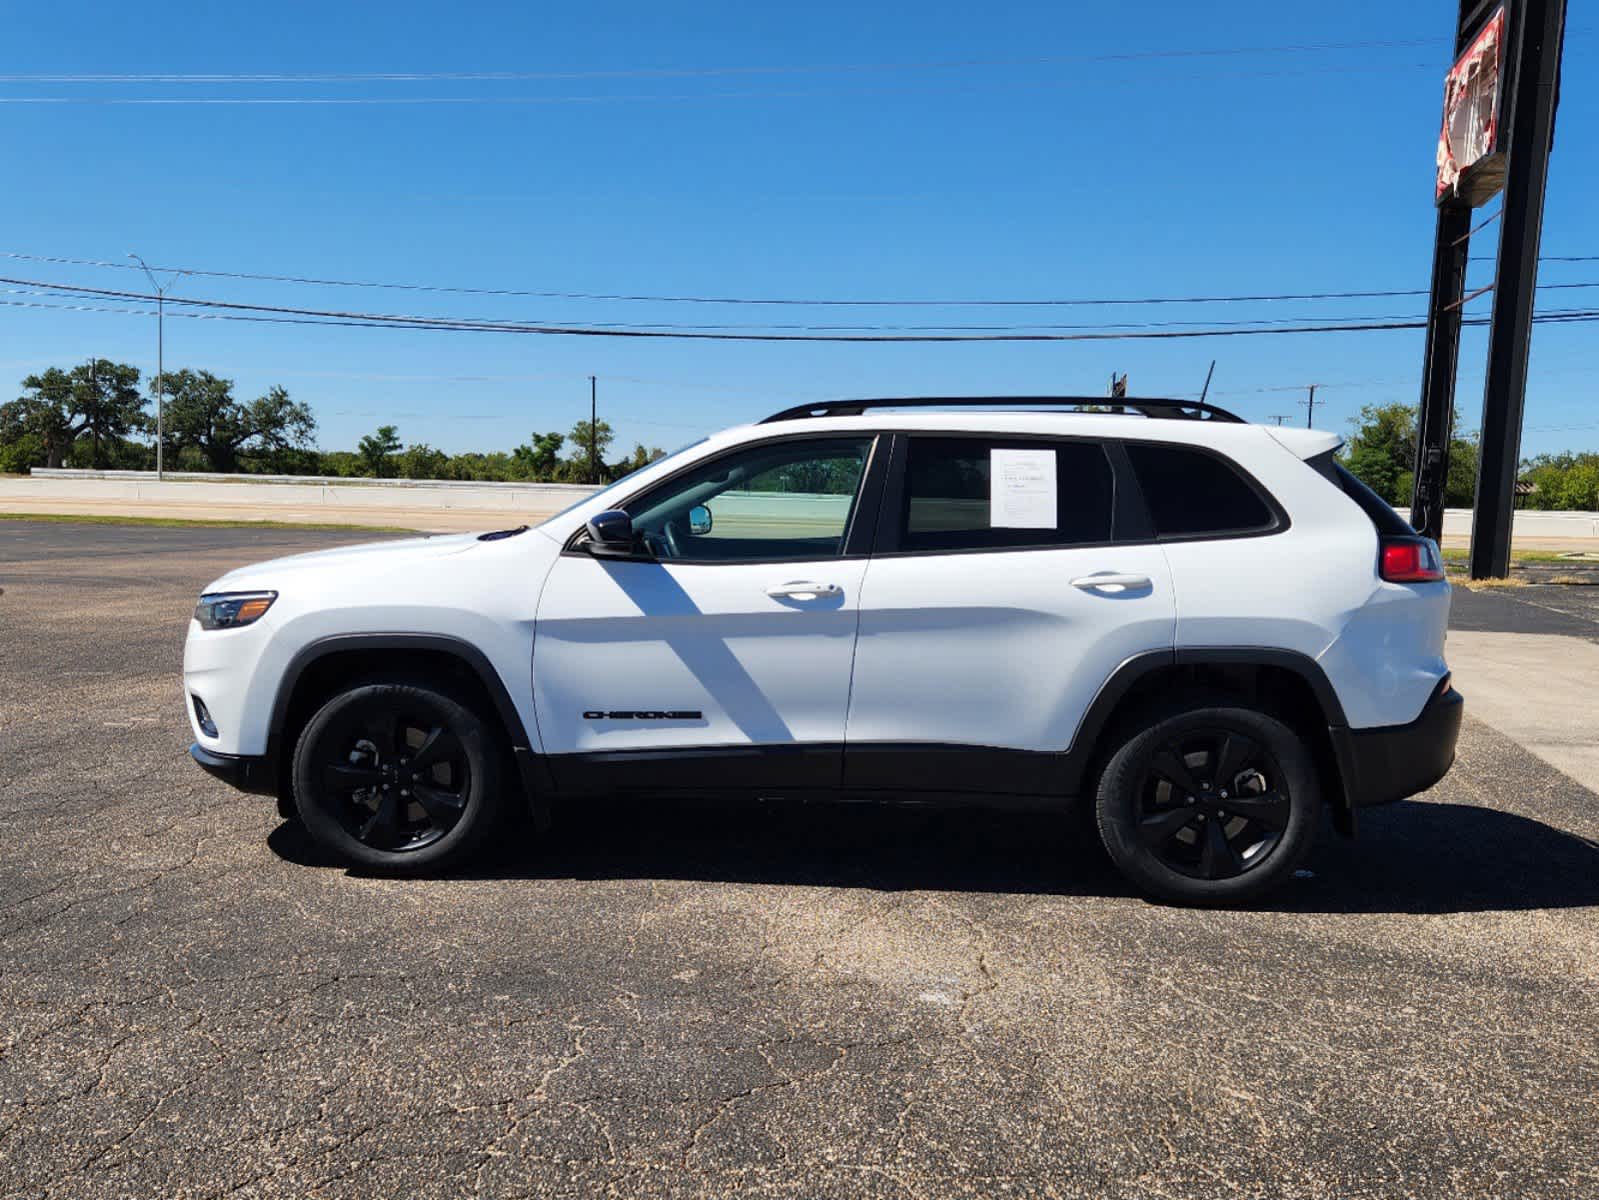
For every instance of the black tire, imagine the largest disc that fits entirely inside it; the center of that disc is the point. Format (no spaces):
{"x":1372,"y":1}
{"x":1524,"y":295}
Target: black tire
{"x":399,"y":777}
{"x":1209,"y":803}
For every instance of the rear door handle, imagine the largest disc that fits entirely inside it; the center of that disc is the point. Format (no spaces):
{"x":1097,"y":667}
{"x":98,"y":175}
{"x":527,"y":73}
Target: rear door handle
{"x":1089,"y":583}
{"x":802,"y":590}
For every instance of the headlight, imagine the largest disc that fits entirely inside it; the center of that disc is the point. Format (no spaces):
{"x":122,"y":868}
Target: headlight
{"x":230,"y":610}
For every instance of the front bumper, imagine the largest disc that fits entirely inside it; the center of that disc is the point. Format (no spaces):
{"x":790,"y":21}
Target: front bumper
{"x":1383,"y":765}
{"x":247,"y":772}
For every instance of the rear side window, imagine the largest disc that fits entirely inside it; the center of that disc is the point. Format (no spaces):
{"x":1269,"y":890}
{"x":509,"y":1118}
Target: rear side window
{"x":1190,"y":493}
{"x":983,"y":493}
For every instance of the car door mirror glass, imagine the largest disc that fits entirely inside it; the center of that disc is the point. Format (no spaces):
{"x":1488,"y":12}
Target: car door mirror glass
{"x":699,"y":520}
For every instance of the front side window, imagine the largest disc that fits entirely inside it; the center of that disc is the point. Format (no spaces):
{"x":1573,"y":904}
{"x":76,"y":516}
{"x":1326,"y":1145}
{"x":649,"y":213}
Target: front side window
{"x":986,"y":493}
{"x":785,"y":500}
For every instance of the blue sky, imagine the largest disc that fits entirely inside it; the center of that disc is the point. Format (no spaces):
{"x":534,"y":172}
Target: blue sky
{"x":964,"y":152}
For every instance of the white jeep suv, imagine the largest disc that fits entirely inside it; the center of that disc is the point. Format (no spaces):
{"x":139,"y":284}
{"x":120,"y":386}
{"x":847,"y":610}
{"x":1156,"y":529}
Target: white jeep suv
{"x":1206,"y":629}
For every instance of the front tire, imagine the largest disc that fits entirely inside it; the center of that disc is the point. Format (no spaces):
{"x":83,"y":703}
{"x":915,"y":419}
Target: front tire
{"x":1211,"y":803}
{"x":401,"y":778}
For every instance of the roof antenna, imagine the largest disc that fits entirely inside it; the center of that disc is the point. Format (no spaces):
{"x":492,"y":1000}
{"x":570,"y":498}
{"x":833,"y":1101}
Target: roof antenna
{"x":1205,"y":391}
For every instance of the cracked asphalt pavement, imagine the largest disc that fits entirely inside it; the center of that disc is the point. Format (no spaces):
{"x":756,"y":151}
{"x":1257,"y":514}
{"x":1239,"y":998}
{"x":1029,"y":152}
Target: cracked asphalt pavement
{"x":704,"y":1000}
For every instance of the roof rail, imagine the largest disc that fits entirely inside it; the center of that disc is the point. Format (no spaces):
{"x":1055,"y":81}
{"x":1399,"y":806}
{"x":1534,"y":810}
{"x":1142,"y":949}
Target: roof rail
{"x":1171,"y":409}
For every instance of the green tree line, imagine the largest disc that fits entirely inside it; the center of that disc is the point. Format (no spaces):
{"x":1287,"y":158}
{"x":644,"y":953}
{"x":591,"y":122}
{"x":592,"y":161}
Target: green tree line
{"x":96,"y":415}
{"x":1381,"y":451}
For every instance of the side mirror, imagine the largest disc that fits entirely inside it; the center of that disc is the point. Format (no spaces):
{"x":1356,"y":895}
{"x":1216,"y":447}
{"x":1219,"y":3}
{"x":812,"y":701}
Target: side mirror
{"x":699,"y":520}
{"x":611,"y":535}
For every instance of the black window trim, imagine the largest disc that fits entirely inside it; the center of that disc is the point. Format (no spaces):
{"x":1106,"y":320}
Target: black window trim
{"x":1280,"y":523}
{"x":857,"y":534}
{"x":1126,"y":505}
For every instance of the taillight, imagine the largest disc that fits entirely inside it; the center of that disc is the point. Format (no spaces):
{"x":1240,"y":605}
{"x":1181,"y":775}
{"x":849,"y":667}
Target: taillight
{"x":1410,"y":560}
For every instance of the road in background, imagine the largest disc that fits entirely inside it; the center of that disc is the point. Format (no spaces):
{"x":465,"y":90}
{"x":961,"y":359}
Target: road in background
{"x":714,"y":1000}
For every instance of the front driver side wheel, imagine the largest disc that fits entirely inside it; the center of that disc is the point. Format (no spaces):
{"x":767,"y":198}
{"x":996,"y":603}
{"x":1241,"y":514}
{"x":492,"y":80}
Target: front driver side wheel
{"x":400,"y":778}
{"x":1209,"y":803}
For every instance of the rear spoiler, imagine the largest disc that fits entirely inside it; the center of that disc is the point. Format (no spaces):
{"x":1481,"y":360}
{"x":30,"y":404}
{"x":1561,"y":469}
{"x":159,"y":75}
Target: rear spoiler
{"x":1305,"y":443}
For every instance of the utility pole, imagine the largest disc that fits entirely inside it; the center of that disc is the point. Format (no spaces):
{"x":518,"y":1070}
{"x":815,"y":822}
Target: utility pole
{"x":94,"y":387}
{"x":1280,"y":418}
{"x":160,"y":350}
{"x":594,"y":432}
{"x":1310,"y":407}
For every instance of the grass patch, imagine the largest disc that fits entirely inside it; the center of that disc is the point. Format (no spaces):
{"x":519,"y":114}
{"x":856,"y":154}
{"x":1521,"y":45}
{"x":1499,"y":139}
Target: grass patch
{"x":1459,"y":555}
{"x":195,"y":523}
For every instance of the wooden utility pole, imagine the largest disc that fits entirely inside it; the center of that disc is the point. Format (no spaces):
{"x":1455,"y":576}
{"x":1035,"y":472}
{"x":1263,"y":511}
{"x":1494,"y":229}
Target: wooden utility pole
{"x":1310,"y":407}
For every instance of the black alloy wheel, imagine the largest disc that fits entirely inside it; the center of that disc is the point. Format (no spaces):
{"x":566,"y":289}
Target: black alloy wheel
{"x":398,"y":776}
{"x":396,"y":782}
{"x":1209,"y":803}
{"x":1213,"y":804}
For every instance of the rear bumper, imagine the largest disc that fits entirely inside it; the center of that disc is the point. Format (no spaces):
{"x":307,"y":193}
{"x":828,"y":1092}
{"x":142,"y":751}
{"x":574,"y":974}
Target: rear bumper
{"x":1383,"y":765}
{"x":247,"y":772}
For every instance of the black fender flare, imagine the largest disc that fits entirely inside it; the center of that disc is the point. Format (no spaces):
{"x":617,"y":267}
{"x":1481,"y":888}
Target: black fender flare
{"x":1139,"y":666}
{"x":530,"y":766}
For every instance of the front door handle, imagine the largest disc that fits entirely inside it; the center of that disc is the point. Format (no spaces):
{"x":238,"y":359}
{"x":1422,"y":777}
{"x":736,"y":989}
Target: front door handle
{"x":802,"y":590}
{"x":1089,"y":583}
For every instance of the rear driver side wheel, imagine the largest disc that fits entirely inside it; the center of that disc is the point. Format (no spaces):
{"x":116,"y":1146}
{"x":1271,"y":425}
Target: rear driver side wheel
{"x":1211,"y":803}
{"x":398,"y":777}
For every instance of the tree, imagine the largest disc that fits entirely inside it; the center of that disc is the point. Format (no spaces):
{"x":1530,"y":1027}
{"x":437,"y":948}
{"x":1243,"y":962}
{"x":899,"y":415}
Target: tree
{"x":584,"y":455}
{"x":539,"y":459}
{"x":1382,"y":454}
{"x":377,"y":451}
{"x":99,"y":398}
{"x":1566,"y":481}
{"x":201,"y":414}
{"x":421,"y":461}
{"x":640,"y":459}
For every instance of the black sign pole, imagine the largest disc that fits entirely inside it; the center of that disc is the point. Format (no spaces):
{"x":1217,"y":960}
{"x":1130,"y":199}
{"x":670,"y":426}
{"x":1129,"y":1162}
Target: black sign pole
{"x":1534,"y":60}
{"x":1442,"y":358}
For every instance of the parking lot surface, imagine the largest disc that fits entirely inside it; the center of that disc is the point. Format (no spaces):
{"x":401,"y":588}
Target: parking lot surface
{"x":695,"y":1000}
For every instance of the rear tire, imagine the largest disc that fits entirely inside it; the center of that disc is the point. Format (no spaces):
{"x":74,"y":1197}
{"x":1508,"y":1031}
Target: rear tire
{"x":399,"y":778}
{"x":1209,"y":803}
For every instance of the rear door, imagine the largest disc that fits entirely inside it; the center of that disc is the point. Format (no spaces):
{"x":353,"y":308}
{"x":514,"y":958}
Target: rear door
{"x":722,"y":659}
{"x":1011,"y":577}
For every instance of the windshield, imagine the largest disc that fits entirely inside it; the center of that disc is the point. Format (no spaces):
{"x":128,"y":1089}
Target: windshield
{"x":612,"y":486}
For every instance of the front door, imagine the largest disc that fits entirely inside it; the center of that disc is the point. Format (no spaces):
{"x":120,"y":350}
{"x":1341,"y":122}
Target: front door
{"x":723,"y":659}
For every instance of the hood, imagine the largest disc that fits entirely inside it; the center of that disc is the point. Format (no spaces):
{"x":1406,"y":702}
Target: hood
{"x":366,"y":556}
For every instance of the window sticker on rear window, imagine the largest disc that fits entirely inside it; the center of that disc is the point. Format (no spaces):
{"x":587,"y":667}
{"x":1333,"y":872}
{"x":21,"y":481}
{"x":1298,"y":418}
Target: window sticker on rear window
{"x":1021,"y":489}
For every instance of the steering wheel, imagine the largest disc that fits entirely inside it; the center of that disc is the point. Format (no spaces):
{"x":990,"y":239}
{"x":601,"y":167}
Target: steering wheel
{"x":674,"y":544}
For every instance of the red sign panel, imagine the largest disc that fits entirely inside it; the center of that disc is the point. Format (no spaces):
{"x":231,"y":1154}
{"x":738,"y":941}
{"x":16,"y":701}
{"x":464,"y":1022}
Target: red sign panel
{"x":1470,"y":156}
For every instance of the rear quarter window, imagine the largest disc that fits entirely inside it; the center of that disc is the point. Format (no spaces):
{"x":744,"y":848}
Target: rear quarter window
{"x":1388,"y":522}
{"x":1190,"y":493}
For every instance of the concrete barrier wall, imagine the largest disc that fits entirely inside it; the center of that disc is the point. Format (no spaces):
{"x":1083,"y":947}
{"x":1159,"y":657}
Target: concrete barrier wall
{"x":271,"y":492}
{"x":291,"y":491}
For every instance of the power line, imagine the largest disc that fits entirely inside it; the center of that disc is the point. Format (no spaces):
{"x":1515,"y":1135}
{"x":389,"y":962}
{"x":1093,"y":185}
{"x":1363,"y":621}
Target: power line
{"x":814,"y":302}
{"x":690,"y":97}
{"x":281,"y":314}
{"x":700,"y":72}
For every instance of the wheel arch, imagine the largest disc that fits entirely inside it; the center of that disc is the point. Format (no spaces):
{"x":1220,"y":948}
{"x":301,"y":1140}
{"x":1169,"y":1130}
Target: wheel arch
{"x":1290,"y":685}
{"x":319,"y":667}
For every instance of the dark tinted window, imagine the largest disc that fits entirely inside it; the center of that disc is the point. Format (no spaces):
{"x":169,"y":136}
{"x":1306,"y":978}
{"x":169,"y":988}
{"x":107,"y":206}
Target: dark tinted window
{"x":1189,"y":492}
{"x":980,"y":493}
